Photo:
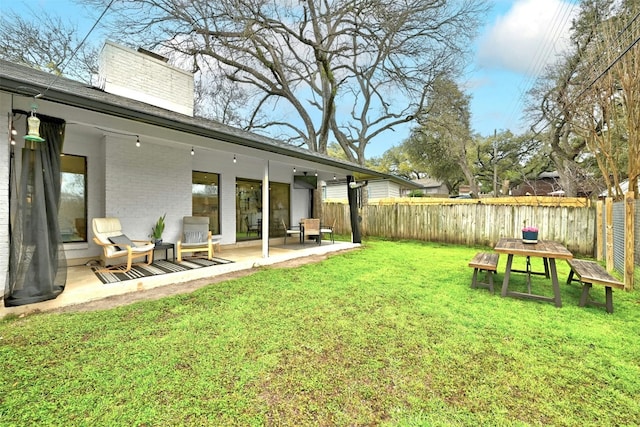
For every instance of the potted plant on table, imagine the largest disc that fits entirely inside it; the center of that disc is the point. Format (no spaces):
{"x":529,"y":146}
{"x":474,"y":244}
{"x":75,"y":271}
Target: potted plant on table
{"x":530,"y":234}
{"x":157,"y":230}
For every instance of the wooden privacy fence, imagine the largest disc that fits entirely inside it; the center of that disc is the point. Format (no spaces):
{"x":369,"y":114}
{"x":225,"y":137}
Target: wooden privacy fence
{"x":471,"y":223}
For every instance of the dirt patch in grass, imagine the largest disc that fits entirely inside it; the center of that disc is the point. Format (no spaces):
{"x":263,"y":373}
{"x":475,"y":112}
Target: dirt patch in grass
{"x":180,"y":288}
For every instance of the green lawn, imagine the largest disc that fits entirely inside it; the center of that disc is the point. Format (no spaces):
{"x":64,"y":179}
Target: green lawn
{"x":388,"y":335}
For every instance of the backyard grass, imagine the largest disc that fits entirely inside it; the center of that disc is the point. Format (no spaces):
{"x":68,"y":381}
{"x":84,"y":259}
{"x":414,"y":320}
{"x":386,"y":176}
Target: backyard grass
{"x":388,"y":335}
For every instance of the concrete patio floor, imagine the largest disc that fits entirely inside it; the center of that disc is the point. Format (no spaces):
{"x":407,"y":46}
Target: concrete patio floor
{"x":84,"y":286}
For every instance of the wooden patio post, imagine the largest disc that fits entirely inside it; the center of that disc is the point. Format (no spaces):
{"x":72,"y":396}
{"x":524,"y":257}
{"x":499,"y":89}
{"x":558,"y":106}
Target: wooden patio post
{"x":352,"y":196}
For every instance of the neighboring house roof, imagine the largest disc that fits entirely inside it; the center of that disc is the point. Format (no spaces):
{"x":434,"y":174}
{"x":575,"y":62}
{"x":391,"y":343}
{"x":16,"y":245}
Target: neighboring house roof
{"x":549,"y":175}
{"x":624,"y":186}
{"x":30,"y":82}
{"x":401,"y":182}
{"x":428,"y":182}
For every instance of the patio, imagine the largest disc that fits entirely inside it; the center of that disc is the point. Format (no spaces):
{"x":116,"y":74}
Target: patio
{"x":84,"y":286}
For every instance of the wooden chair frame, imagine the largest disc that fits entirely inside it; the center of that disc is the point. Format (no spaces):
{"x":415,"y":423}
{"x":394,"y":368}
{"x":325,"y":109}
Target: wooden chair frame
{"x":195,"y":223}
{"x":311,"y":228}
{"x":103,"y":228}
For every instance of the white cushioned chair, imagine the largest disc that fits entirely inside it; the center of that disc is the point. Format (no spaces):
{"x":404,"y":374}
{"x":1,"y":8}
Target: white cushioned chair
{"x":328,"y":229}
{"x":196,"y":237}
{"x":107,"y":233}
{"x":290,"y":231}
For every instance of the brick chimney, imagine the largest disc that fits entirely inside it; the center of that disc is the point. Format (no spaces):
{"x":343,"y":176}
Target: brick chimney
{"x":145,"y":76}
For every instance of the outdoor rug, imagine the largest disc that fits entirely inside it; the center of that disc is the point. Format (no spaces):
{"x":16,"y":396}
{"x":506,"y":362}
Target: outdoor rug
{"x":156,"y":268}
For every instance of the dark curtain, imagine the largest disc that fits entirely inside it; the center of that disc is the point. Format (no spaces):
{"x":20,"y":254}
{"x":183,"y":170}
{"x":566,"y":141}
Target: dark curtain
{"x":37,"y":264}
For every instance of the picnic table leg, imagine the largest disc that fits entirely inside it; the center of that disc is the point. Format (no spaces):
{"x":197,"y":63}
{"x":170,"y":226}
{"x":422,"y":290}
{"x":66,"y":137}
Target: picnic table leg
{"x":554,"y":279}
{"x":609,"y":301}
{"x":570,"y":278}
{"x":528,"y":269}
{"x":586,"y":287}
{"x":474,"y":280}
{"x":507,"y":273}
{"x":546,"y":267}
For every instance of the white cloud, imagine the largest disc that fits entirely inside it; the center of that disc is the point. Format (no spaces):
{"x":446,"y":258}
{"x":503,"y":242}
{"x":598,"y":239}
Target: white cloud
{"x":531,"y":34}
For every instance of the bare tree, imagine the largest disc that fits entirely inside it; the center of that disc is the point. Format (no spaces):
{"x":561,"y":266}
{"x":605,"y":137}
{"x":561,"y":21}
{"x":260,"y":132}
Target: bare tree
{"x":315,"y":69}
{"x":626,"y":69}
{"x":600,"y":122}
{"x":554,"y":99}
{"x":590,"y":103}
{"x":608,"y":106}
{"x":47,"y":44}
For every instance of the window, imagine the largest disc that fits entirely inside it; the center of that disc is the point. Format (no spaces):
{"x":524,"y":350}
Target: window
{"x":72,"y":215}
{"x":206,"y":198}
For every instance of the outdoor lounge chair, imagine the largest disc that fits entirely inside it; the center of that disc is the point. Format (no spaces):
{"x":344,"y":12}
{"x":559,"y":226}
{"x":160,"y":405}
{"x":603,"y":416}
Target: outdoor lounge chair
{"x":108,"y":234}
{"x":196,"y":237}
{"x":328,"y":229}
{"x":290,"y":232}
{"x":311,"y":227}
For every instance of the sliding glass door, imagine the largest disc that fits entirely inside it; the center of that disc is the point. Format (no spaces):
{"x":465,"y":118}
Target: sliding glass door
{"x":249,"y":225}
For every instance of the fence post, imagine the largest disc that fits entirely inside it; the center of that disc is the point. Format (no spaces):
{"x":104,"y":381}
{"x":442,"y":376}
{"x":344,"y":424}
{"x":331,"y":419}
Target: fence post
{"x":609,"y":233}
{"x":629,"y":236}
{"x":599,"y":236}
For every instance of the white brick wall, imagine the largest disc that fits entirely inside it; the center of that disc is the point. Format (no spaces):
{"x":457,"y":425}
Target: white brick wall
{"x":138,"y":76}
{"x":142,"y":184}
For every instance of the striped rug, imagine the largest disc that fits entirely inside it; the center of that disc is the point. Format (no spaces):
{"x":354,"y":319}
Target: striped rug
{"x":156,"y":268}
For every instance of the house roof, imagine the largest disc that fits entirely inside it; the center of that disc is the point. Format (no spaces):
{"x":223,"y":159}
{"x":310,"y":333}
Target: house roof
{"x":26,"y":81}
{"x":402,"y":183}
{"x":624,"y":187}
{"x":428,"y":182}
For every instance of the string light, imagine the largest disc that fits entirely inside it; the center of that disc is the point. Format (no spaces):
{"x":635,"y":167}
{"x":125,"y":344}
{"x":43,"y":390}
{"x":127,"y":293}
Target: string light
{"x":192,"y":151}
{"x":137,"y":141}
{"x":234,"y":159}
{"x":334,"y":177}
{"x":294,"y":169}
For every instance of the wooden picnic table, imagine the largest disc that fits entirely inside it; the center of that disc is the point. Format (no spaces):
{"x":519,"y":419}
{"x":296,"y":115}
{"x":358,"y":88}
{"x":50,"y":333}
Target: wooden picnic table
{"x":549,"y":251}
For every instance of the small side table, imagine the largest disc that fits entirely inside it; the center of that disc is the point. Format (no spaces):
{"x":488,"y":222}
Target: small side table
{"x":166,"y":246}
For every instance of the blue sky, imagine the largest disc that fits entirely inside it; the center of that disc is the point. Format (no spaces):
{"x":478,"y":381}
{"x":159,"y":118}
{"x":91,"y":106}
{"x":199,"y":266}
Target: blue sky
{"x":519,"y":37}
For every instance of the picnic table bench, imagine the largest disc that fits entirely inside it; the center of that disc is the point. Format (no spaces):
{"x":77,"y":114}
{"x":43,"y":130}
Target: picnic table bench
{"x":484,"y":261}
{"x":590,"y":273}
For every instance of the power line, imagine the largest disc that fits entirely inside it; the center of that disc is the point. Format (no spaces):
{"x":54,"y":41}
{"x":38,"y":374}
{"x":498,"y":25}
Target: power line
{"x":606,"y":48}
{"x":541,"y":56}
{"x":606,"y":70}
{"x":73,"y":54}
